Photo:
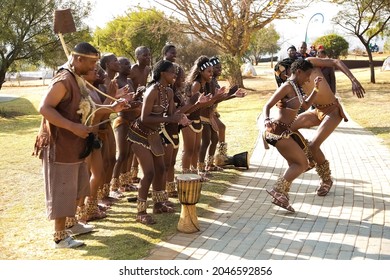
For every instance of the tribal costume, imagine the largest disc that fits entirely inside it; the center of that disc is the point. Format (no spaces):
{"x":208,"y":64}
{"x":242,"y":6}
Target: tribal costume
{"x":323,"y":110}
{"x":170,"y":131}
{"x":148,"y":137}
{"x":278,"y":129}
{"x":196,"y":125}
{"x":60,"y":151}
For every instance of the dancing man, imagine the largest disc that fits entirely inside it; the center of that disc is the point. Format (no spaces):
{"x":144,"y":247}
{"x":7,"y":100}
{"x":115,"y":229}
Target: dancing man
{"x":327,"y":115}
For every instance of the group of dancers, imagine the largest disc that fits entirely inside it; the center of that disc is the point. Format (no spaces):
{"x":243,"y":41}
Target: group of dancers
{"x":89,"y":162}
{"x":97,"y":161}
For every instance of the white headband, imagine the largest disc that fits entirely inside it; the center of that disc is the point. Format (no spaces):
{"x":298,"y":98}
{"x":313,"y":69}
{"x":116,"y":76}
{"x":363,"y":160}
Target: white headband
{"x":205,"y":65}
{"x":215,"y":61}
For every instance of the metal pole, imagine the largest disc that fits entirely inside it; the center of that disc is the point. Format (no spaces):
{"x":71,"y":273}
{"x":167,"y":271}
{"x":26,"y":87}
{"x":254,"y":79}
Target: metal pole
{"x":307,"y":26}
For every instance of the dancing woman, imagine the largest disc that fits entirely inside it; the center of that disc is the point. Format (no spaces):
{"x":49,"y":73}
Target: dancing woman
{"x":198,"y":82}
{"x":170,"y":132}
{"x":158,"y":108}
{"x":289,"y":98}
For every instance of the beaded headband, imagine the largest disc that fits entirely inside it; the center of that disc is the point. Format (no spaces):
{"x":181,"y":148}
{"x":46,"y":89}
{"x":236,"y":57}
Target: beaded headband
{"x":87,"y":55}
{"x":214,"y":61}
{"x":205,"y":65}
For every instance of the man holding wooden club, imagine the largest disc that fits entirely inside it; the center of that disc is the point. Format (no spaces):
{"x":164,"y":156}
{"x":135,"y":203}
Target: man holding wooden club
{"x":62,"y":145}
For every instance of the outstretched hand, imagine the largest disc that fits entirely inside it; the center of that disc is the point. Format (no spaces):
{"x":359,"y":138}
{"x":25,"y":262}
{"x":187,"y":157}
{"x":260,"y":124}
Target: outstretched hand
{"x":112,"y":88}
{"x":220,"y":91}
{"x":357,"y":89}
{"x":184,"y":121}
{"x":120,"y":105}
{"x":204,"y":98}
{"x":181,"y":118}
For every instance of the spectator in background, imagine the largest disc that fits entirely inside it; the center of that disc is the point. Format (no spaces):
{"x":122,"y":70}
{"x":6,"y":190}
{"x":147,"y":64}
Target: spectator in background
{"x":303,"y":51}
{"x":328,"y":72}
{"x":292,"y":52}
{"x":282,"y":68}
{"x":313,"y":51}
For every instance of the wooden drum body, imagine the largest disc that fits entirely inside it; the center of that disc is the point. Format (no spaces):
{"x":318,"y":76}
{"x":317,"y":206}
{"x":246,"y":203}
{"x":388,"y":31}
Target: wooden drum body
{"x":189,"y":187}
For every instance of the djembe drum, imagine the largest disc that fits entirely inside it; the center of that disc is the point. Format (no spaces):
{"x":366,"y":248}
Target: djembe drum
{"x":188,"y":187}
{"x":238,"y":160}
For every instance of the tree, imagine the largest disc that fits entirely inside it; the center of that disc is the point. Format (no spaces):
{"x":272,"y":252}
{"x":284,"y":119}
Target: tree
{"x":334,"y":45}
{"x":121,"y":36}
{"x":264,"y":41}
{"x":27,"y":30}
{"x":189,"y":49}
{"x":229,"y":24}
{"x":365,"y":19}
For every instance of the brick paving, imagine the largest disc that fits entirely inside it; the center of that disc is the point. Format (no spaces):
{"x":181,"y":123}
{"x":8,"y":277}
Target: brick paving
{"x":351,"y":223}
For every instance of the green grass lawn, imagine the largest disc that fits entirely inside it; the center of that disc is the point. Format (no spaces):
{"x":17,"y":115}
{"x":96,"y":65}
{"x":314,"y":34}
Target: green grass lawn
{"x":26,"y":234}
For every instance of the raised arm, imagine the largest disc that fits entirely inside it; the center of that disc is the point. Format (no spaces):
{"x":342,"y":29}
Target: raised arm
{"x":357,"y":88}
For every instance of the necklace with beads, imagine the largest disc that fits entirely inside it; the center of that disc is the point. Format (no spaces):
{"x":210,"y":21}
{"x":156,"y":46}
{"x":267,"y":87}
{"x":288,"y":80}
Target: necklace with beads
{"x":297,"y":90}
{"x":163,"y":96}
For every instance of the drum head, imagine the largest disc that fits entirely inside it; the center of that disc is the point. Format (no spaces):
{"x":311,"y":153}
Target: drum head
{"x":188,"y":177}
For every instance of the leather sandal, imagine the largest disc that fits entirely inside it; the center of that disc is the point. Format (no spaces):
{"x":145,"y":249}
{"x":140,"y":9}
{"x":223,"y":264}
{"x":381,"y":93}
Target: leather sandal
{"x":169,"y":203}
{"x":103,"y":207}
{"x":162,"y":207}
{"x":214,"y":168}
{"x":324,"y":188}
{"x":278,"y":203}
{"x":145,"y":219}
{"x":116,"y":194}
{"x":108,"y":201}
{"x":280,"y":200}
{"x":97,"y":215}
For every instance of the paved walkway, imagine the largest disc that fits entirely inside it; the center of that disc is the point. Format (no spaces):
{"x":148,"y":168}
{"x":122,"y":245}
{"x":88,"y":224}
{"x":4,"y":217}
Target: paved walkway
{"x":352,"y":222}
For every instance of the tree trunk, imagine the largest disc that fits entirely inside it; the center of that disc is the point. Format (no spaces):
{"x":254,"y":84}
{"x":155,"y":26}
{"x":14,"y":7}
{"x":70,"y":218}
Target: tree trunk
{"x":233,"y":67}
{"x":2,"y":77}
{"x":236,"y":77}
{"x":371,"y":63}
